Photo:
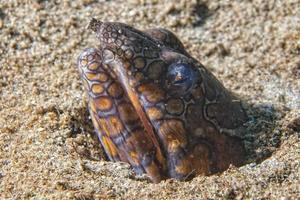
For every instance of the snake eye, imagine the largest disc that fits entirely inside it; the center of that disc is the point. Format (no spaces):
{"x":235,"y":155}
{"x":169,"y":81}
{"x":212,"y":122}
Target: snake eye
{"x":180,"y":78}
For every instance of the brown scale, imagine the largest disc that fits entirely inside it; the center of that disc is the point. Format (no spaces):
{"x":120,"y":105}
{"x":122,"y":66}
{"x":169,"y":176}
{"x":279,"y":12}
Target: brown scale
{"x":156,"y":107}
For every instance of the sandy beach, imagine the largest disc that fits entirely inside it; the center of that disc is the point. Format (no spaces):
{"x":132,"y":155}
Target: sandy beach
{"x":48,"y":149}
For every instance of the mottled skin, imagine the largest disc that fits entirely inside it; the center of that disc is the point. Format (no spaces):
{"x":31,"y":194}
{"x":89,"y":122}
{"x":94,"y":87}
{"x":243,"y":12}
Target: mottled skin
{"x":156,"y":107}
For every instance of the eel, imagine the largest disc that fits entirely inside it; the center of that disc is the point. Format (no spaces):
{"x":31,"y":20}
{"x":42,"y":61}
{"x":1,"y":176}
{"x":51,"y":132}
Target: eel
{"x":156,"y":107}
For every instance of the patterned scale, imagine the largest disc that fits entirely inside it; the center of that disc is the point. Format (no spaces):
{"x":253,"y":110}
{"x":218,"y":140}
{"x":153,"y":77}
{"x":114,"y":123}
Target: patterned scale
{"x":156,"y":107}
{"x":115,"y":119}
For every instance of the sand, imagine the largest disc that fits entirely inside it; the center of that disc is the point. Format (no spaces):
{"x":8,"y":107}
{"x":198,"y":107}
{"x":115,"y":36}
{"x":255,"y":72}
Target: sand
{"x":47,"y":145}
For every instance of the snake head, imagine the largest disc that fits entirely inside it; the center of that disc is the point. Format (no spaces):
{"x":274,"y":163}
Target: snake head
{"x":185,"y":117}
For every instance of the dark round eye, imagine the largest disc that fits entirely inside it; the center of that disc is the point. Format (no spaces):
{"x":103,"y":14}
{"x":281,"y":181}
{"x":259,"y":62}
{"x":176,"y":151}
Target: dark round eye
{"x":180,"y":78}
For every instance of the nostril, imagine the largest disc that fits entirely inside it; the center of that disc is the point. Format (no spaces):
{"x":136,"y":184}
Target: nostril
{"x":94,"y":25}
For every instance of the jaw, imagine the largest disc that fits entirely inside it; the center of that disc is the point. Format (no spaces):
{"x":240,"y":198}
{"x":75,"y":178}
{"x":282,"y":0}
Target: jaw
{"x":119,"y":120}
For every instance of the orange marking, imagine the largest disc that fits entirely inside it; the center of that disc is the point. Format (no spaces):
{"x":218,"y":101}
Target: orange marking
{"x":93,"y":66}
{"x":97,"y":88}
{"x":103,"y":103}
{"x":111,"y":126}
{"x":96,"y":76}
{"x":152,"y":92}
{"x":134,"y":158}
{"x":109,"y":146}
{"x":173,"y":134}
{"x":102,"y":77}
{"x":95,"y":122}
{"x":115,"y":90}
{"x":183,"y":167}
{"x":91,"y":76}
{"x":154,"y":113}
{"x":173,"y":146}
{"x":117,"y":126}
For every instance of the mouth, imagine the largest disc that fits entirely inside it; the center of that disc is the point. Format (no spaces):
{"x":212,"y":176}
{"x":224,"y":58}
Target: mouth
{"x":121,"y":123}
{"x":116,"y":69}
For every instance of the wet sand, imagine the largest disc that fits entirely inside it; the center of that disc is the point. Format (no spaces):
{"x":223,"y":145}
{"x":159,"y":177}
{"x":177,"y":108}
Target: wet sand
{"x":47,"y":146}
